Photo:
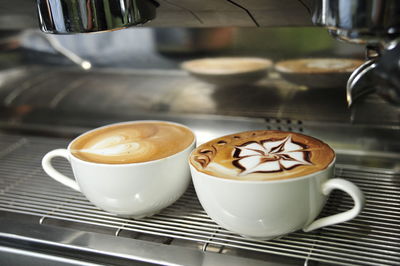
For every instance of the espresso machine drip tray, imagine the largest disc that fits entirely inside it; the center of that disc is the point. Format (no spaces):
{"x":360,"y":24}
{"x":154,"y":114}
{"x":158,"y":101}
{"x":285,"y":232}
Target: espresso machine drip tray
{"x":44,"y":222}
{"x":59,"y":219}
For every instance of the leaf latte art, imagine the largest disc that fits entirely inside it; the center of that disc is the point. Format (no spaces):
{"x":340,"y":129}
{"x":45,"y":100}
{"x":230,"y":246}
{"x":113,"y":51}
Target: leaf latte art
{"x":262,"y":155}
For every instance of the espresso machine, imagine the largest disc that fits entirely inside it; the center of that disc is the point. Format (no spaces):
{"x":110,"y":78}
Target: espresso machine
{"x":47,"y":99}
{"x":374,"y":24}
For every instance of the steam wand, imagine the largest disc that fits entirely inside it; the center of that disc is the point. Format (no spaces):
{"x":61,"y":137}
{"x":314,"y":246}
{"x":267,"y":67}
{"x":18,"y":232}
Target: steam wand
{"x":57,"y":46}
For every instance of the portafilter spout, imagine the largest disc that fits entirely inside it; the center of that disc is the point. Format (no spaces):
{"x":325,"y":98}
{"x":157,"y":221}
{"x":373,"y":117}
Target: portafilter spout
{"x":380,"y":75}
{"x":83,"y":16}
{"x":359,"y":83}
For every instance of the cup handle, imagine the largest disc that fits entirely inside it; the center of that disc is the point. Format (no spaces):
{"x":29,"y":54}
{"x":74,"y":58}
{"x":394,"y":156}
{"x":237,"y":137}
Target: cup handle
{"x":53,"y":173}
{"x":351,"y":189}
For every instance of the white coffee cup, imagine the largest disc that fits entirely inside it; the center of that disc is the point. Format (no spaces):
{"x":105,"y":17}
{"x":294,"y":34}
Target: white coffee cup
{"x":129,"y":190}
{"x":269,"y":209}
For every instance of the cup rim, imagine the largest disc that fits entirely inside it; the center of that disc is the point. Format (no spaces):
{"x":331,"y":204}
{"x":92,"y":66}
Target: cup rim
{"x":130,"y":164}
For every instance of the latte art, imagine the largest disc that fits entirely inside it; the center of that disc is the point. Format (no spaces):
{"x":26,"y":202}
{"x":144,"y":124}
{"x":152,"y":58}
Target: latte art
{"x":270,"y":156}
{"x":113,"y":146}
{"x":262,"y":155}
{"x":132,"y":142}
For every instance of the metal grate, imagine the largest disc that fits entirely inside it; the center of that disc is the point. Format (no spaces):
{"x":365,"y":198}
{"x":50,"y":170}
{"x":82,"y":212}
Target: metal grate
{"x":372,"y":238}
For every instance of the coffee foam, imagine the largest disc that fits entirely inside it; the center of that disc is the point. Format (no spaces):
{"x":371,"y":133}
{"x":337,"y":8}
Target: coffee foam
{"x":318,"y":65}
{"x":227,"y":65}
{"x":262,"y":155}
{"x":132,"y":142}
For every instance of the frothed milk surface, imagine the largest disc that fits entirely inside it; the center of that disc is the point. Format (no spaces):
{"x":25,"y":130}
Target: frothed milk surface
{"x":132,"y":142}
{"x":262,"y":155}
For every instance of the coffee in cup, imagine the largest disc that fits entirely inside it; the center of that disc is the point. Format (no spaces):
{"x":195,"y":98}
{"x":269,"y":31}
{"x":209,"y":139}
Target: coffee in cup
{"x":262,"y":155}
{"x":323,"y":73}
{"x":132,"y":142}
{"x":131,"y":169}
{"x":264,"y":184}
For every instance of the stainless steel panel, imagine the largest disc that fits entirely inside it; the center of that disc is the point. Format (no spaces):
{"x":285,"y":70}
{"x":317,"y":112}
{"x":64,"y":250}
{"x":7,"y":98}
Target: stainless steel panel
{"x":200,"y":14}
{"x":21,"y":14}
{"x":90,"y":245}
{"x":276,"y":13}
{"x":175,"y":92}
{"x":13,"y":256}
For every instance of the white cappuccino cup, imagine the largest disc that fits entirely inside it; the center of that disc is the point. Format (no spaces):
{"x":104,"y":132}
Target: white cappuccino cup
{"x":267,"y":209}
{"x":129,"y":189}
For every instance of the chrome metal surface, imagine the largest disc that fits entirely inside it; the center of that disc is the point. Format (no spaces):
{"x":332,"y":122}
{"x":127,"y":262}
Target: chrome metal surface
{"x":20,"y":14}
{"x":354,"y":89}
{"x":65,"y":16}
{"x":88,"y":245}
{"x":387,"y":71}
{"x":370,"y":239}
{"x":128,"y":92}
{"x":375,"y":23}
{"x":359,"y":21}
{"x":379,"y":74}
{"x":42,"y":108}
{"x":13,"y":256}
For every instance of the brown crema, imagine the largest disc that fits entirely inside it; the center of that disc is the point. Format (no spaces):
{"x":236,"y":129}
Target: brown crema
{"x":134,"y":142}
{"x":262,"y":155}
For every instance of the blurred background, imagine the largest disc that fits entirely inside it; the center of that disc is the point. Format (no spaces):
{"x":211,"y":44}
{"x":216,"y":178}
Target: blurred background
{"x":168,"y":47}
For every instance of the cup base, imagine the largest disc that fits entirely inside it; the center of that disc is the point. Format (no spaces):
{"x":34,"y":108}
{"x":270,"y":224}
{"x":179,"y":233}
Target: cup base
{"x":140,"y":216}
{"x":266,"y":238}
